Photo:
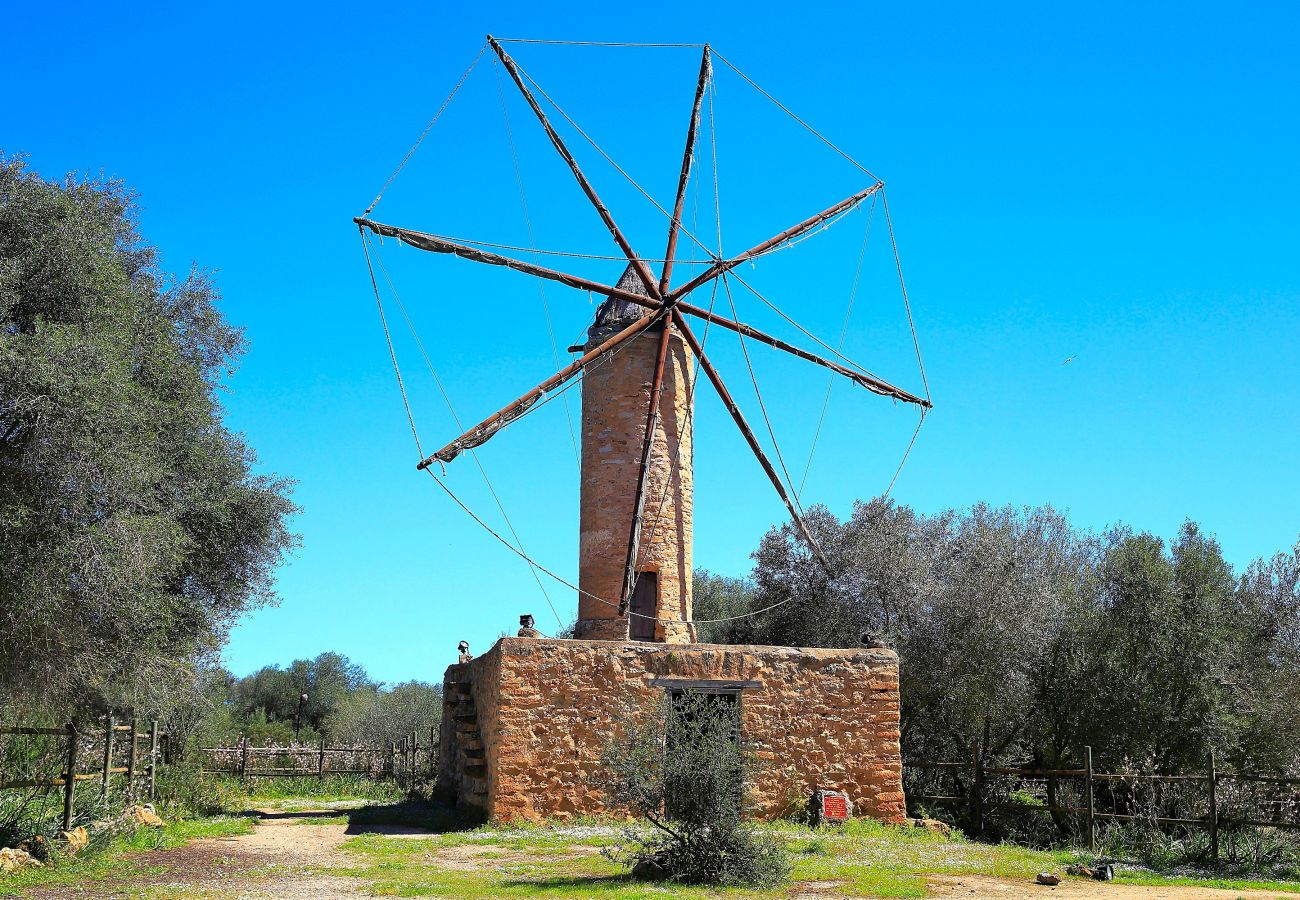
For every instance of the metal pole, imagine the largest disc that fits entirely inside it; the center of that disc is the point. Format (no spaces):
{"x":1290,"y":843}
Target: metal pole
{"x":70,"y":777}
{"x":320,"y":764}
{"x":1092,"y":812}
{"x":243,"y":757}
{"x":108,"y":753}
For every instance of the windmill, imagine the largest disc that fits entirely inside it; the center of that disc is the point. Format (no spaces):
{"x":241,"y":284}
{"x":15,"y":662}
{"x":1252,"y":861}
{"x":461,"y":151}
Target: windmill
{"x":638,"y":392}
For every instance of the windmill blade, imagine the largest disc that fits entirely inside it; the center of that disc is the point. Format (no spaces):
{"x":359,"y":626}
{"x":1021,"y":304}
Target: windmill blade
{"x":421,"y":240}
{"x":684,"y":178}
{"x":870,"y":382}
{"x":487,"y":429}
{"x":753,"y":443}
{"x":642,"y":269}
{"x":789,"y":234}
{"x":638,"y":504}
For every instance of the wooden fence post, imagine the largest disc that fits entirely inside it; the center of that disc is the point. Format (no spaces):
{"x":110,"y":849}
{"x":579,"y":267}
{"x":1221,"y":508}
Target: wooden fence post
{"x":1214,"y":811}
{"x":1092,"y":809}
{"x":70,"y":777}
{"x":153,"y":759}
{"x":243,"y":757}
{"x":977,"y":795}
{"x":320,"y":763}
{"x":108,"y":753}
{"x":130,"y":762}
{"x":392,"y":760}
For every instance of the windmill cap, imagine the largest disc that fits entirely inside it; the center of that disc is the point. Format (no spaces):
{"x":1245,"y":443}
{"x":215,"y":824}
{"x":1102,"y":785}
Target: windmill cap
{"x":616,"y":311}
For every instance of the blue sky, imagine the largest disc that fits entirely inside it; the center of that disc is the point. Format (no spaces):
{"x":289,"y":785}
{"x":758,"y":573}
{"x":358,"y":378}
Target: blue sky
{"x":1115,"y":183}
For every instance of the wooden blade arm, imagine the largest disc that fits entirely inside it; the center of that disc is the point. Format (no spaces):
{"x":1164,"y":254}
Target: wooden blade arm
{"x":748,"y":433}
{"x":434,"y":244}
{"x":486,"y":429}
{"x":789,"y":234}
{"x":675,"y":226}
{"x":638,"y":505}
{"x":642,"y":269}
{"x":870,"y":382}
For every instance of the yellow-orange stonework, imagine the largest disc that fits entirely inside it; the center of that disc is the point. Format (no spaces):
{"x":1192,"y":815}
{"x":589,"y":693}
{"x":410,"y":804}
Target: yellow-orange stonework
{"x":615,"y":408}
{"x":526,"y":722}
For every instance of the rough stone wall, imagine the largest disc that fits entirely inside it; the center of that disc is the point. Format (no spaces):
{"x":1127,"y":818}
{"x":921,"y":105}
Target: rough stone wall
{"x":816,"y":719}
{"x":471,"y":708}
{"x":615,"y":407}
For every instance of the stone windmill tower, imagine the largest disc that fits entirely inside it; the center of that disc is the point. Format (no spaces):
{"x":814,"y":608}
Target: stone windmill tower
{"x":513,"y":709}
{"x":637,"y":391}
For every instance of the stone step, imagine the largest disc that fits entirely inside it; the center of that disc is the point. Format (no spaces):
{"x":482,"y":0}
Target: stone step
{"x":475,"y":785}
{"x":471,"y":717}
{"x":477,"y":800}
{"x":476,"y":755}
{"x":467,"y":728}
{"x":476,"y":770}
{"x":470,"y":741}
{"x":458,"y":687}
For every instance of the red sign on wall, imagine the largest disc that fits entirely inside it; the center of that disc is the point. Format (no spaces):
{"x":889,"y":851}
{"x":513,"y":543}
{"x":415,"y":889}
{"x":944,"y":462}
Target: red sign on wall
{"x":835,"y":807}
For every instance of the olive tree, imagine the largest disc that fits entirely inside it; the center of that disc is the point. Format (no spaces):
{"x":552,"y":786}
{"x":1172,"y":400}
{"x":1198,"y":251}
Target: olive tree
{"x":134,"y":529}
{"x":679,"y":765}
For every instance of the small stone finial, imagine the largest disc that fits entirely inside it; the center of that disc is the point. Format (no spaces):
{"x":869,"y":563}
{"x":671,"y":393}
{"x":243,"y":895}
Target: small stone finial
{"x":463,"y":649}
{"x":526,"y":627}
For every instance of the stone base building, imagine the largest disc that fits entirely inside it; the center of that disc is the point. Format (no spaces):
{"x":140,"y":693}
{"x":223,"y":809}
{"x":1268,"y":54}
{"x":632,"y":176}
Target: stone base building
{"x":525,"y":723}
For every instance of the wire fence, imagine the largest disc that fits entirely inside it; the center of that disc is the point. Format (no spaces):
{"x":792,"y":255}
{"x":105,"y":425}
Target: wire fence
{"x":1077,"y":800}
{"x":406,"y":761}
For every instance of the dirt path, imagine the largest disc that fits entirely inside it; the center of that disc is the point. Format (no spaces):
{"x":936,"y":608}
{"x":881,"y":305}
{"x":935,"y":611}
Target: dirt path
{"x":280,"y":859}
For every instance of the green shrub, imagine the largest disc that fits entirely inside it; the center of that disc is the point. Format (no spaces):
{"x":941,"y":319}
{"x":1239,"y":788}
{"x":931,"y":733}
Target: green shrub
{"x":679,"y":765}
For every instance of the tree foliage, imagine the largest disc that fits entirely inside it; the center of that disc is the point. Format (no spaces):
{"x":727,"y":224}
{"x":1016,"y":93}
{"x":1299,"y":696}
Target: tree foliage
{"x":1024,"y":639}
{"x":343,"y":704}
{"x":133,"y":528}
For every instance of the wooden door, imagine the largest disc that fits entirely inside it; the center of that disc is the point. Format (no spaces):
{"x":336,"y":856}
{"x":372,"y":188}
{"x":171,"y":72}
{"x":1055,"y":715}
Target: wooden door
{"x":645,"y":603}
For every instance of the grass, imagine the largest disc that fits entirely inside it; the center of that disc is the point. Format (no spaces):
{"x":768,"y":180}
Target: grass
{"x":117,"y":860}
{"x":305,"y":791}
{"x":563,"y":860}
{"x":862,"y":859}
